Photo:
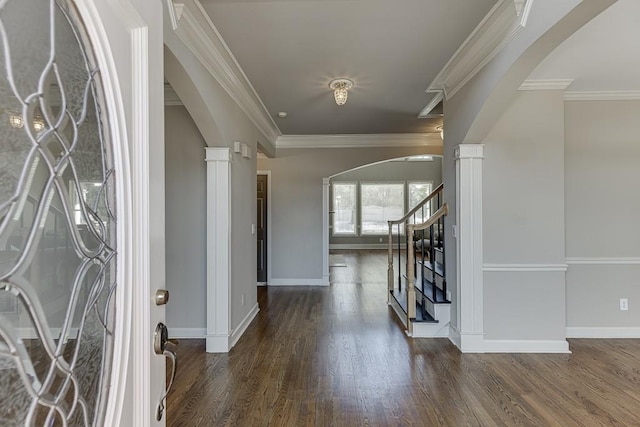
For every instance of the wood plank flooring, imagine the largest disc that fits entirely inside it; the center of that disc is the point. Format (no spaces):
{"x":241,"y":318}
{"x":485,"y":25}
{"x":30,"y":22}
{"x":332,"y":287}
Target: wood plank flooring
{"x":336,"y":356}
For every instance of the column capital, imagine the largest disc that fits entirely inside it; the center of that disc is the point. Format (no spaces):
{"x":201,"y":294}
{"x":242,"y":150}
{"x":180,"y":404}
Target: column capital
{"x":218,"y":154}
{"x":469,"y":151}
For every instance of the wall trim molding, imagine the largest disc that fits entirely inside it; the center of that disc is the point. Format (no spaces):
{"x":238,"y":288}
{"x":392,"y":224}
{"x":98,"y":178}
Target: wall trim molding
{"x":621,"y":95}
{"x":526,"y":346}
{"x":360,"y":140}
{"x":546,"y":84}
{"x":355,"y":246}
{"x":218,"y":343}
{"x":188,"y":333}
{"x":299,"y":282}
{"x":503,"y":22}
{"x":603,"y":261}
{"x":602,"y":332}
{"x":201,"y":37}
{"x":171,"y":98}
{"x":244,"y":324}
{"x":524,"y":267}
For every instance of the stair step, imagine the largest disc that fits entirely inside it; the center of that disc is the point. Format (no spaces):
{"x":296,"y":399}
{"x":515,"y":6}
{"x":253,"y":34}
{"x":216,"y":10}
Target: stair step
{"x":428,"y":290}
{"x":401,"y":299}
{"x":439,"y":268}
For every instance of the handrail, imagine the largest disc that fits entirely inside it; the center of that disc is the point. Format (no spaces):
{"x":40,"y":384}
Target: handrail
{"x":433,"y":194}
{"x":444,"y":210}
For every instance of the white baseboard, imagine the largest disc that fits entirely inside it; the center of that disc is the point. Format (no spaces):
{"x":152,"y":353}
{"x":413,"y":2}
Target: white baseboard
{"x":299,"y":282}
{"x":218,"y":343}
{"x":242,"y":327}
{"x":602,"y":332}
{"x":526,"y":346}
{"x":262,"y":283}
{"x":352,"y":246}
{"x":398,"y":310}
{"x":187,"y":333}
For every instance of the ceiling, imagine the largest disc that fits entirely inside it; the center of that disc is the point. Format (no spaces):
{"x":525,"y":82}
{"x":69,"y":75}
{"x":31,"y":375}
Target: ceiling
{"x":604,"y":55}
{"x":391,"y":49}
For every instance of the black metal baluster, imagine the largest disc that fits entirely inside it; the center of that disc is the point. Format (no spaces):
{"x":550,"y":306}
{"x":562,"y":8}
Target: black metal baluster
{"x":399,"y":262}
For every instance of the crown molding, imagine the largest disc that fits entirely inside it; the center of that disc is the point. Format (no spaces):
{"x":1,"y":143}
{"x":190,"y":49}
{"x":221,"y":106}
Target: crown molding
{"x":201,"y":37}
{"x":360,"y":140}
{"x":171,"y":98}
{"x":546,"y":84}
{"x":506,"y":19}
{"x":426,"y":111}
{"x":616,"y":95}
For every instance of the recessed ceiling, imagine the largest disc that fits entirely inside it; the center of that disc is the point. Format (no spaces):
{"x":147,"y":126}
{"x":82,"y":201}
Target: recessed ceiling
{"x":604,"y":55}
{"x":391,"y":49}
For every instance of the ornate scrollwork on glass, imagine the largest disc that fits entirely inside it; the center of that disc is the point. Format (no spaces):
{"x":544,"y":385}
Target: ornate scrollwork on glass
{"x":57,"y":220}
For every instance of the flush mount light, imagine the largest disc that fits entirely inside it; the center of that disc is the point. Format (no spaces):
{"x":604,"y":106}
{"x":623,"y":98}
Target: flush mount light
{"x":282,"y":114}
{"x":340,"y":89}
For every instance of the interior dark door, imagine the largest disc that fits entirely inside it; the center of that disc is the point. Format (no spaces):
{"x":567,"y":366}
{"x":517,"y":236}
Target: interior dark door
{"x":262,"y":227}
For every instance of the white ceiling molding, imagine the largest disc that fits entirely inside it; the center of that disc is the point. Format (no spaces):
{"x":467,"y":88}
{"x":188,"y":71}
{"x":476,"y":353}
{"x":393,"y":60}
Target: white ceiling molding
{"x":198,"y":33}
{"x":619,"y":95}
{"x":546,"y":84}
{"x":360,"y":141}
{"x":496,"y":30}
{"x":175,"y":12}
{"x":426,"y":111}
{"x":171,"y":98}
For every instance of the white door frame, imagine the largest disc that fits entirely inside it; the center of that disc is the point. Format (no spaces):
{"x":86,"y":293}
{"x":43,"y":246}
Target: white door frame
{"x":123,"y":48}
{"x":268,"y":174}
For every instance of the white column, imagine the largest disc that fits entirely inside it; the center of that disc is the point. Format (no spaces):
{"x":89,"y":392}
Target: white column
{"x":325,"y":230}
{"x":218,"y":249}
{"x":470,"y":304}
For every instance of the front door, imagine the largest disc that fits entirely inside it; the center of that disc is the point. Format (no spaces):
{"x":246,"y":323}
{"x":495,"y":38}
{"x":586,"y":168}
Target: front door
{"x":262,"y":228}
{"x":69,"y":247}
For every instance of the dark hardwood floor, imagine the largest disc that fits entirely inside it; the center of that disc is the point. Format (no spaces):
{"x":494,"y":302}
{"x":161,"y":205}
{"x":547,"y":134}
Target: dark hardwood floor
{"x":337,"y":357}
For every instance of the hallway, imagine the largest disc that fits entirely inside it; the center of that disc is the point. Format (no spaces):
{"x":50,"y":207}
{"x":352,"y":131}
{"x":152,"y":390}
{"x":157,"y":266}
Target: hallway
{"x":336,"y":356}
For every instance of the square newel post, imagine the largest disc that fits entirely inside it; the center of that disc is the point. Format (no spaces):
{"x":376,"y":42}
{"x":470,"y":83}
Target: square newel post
{"x":218,"y":249}
{"x":470,"y":304}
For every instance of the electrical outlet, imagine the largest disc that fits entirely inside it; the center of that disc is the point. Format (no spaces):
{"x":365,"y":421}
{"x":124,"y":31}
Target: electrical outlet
{"x":624,"y":304}
{"x":454,"y":231}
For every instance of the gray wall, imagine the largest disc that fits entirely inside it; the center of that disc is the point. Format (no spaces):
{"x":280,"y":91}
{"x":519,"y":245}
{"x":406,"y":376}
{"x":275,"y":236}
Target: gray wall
{"x":296,"y":201}
{"x":602,"y":153}
{"x":185,"y":174}
{"x":523,"y":220}
{"x":393,"y":171}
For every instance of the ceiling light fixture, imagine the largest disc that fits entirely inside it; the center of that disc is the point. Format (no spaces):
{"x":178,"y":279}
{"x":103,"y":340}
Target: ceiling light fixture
{"x":340,"y":89}
{"x":15,"y":119}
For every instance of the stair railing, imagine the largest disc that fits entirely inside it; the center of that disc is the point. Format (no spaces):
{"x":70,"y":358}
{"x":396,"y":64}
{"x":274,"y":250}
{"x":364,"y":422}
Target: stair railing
{"x":408,"y":222}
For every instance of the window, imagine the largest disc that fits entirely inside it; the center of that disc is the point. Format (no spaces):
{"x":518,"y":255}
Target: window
{"x":344,"y":208}
{"x":417,"y":192}
{"x":380,"y":203}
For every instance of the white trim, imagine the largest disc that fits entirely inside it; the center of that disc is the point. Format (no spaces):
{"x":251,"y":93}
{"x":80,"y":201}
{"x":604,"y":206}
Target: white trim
{"x":326,"y":182}
{"x":262,"y":283}
{"x":402,"y":316}
{"x":621,"y":95}
{"x":171,"y":98}
{"x":197,"y":32}
{"x":355,"y":246}
{"x":268,"y":174}
{"x":603,"y":261}
{"x":546,"y":84}
{"x":525,"y":267}
{"x":188,"y":333}
{"x":299,"y":282}
{"x":492,"y":34}
{"x":526,"y":346}
{"x":360,"y":140}
{"x":218,"y":248}
{"x":437,"y":99}
{"x":470,"y":286}
{"x":244,"y":324}
{"x":602,"y":332}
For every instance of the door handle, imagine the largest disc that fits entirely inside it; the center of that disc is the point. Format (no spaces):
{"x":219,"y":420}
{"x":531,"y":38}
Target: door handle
{"x":163,"y":346}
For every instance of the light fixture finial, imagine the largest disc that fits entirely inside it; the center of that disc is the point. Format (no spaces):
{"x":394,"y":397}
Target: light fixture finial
{"x":340,"y":89}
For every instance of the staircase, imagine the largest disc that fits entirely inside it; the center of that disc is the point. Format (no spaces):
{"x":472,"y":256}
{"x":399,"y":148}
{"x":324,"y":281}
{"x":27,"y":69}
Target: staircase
{"x":417,"y":283}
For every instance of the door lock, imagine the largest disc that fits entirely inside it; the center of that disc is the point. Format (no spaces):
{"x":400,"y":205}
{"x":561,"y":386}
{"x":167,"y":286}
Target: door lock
{"x":163,"y":346}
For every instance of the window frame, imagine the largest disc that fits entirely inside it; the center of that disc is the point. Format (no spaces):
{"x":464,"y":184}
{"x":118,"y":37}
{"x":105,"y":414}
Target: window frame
{"x":409,"y":207}
{"x":355,"y":209}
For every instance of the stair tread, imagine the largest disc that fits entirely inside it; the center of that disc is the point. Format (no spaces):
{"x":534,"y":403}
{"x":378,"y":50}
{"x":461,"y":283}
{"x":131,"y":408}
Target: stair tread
{"x":421,"y":317}
{"x":440,"y":297}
